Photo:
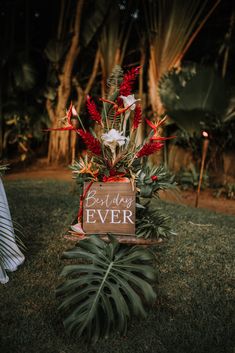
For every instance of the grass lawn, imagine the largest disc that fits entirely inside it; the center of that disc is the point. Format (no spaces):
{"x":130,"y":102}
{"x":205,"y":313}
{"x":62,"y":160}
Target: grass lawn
{"x":193,"y":312}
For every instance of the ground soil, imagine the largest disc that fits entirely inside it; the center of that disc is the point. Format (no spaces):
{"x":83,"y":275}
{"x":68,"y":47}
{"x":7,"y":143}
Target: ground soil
{"x":206,"y":200}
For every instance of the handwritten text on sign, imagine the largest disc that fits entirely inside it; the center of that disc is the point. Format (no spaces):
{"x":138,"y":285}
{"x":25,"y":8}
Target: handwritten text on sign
{"x":109,"y":207}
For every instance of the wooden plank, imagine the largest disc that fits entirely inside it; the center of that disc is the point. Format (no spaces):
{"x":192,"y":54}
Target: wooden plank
{"x":132,"y":240}
{"x":109,"y":208}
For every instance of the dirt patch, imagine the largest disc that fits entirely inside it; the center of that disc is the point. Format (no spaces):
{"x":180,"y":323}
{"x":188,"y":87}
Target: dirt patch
{"x":207,"y":199}
{"x":58,"y":174}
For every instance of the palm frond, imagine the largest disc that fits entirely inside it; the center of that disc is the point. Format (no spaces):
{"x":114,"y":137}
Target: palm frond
{"x":172,"y":26}
{"x":10,"y":254}
{"x":106,"y":287}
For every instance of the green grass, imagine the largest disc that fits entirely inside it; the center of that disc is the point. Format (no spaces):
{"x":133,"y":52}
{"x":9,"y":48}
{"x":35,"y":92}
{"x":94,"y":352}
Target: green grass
{"x":193,"y":312}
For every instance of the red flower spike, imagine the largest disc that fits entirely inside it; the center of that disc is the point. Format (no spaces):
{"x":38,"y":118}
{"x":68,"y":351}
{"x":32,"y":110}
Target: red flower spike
{"x":93,"y":112}
{"x":128,"y":81}
{"x":92,"y":144}
{"x":149,"y":148}
{"x":154,"y":177}
{"x":137,"y":117}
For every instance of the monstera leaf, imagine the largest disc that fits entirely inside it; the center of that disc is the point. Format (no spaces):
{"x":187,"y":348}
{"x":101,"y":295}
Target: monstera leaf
{"x":106,"y":287}
{"x":193,"y":96}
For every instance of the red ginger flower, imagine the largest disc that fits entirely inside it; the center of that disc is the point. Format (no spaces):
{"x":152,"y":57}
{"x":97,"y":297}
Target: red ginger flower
{"x":137,"y":117}
{"x":128,"y":81}
{"x":92,"y":144}
{"x":93,"y":112}
{"x":149,"y":148}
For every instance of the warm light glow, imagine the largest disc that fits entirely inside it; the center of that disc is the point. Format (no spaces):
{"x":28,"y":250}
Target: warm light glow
{"x":204,"y":134}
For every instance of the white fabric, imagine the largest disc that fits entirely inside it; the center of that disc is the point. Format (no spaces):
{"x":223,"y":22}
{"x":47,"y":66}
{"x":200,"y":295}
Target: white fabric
{"x":10,"y":255}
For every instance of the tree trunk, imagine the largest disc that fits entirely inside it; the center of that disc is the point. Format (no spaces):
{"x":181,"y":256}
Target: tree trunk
{"x":59,"y":142}
{"x":81,"y":95}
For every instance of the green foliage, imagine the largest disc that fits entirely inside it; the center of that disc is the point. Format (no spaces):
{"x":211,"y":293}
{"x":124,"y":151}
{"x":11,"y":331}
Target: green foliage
{"x":94,"y":20}
{"x":7,"y":249}
{"x":115,"y":79}
{"x":21,"y":126}
{"x":21,"y":73}
{"x":189,"y":178}
{"x":151,"y":224}
{"x":3,"y":168}
{"x":193,"y":96}
{"x":55,"y":50}
{"x":228,"y":190}
{"x":153,"y":179}
{"x":104,"y":291}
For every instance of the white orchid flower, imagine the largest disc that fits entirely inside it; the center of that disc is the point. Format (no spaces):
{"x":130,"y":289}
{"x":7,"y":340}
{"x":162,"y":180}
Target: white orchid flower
{"x":129,"y":101}
{"x":112,"y":139}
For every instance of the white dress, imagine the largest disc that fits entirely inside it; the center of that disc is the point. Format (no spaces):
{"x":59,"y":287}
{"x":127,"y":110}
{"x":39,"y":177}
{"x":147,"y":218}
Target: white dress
{"x":10,"y":255}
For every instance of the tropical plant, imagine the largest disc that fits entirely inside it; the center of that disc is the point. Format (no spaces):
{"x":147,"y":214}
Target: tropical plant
{"x":108,"y":285}
{"x":10,"y":244}
{"x":188,"y":178}
{"x":3,"y":168}
{"x":194,"y":96}
{"x":151,"y":224}
{"x":228,"y":190}
{"x":172,"y":26}
{"x":151,"y":180}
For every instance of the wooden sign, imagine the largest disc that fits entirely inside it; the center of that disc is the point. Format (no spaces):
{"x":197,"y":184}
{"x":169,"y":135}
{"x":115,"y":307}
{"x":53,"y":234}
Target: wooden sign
{"x":109,"y":208}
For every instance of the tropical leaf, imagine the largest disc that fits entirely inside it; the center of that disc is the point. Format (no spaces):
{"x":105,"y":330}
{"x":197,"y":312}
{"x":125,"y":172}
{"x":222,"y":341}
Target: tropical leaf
{"x":106,"y":287}
{"x":192,"y":99}
{"x":92,"y":23}
{"x":22,"y":72}
{"x":172,"y":26}
{"x":151,"y":224}
{"x":150,"y":180}
{"x":10,"y":244}
{"x":56,"y":49}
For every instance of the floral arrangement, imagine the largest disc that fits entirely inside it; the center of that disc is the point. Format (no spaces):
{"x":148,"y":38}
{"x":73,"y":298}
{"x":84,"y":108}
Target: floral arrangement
{"x":113,"y":153}
{"x":112,"y":281}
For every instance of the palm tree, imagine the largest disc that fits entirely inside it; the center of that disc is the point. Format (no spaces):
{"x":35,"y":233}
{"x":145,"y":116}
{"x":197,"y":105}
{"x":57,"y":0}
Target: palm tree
{"x":172,"y":26}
